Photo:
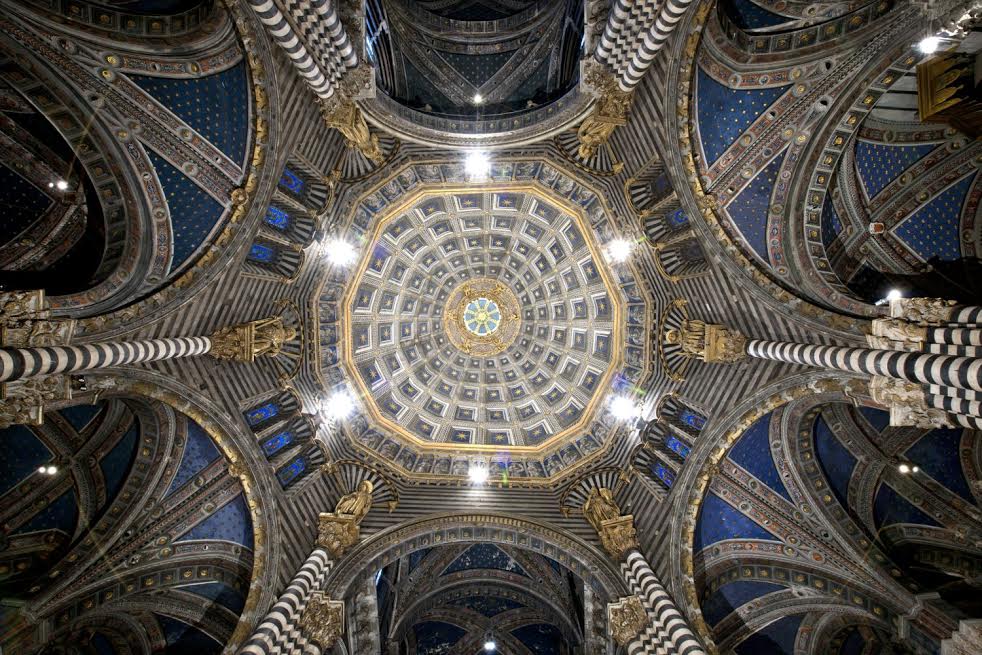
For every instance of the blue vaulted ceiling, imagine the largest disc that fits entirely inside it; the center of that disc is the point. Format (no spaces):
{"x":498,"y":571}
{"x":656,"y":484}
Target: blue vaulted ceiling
{"x":933,"y":231}
{"x":183,"y":638}
{"x":540,"y":638}
{"x":437,"y":637}
{"x":732,"y":596}
{"x":199,"y":452}
{"x":889,"y":508}
{"x":723,"y":114}
{"x":748,"y":15}
{"x":22,"y":203}
{"x":835,"y":459}
{"x":193,"y":213}
{"x":23,"y":454}
{"x":487,"y":605}
{"x":230,"y":523}
{"x":719,"y":521}
{"x":776,"y":638}
{"x":878,"y":164}
{"x":753,"y":452}
{"x":215,"y":106}
{"x":485,"y":556}
{"x":938,"y":454}
{"x":750,"y":209}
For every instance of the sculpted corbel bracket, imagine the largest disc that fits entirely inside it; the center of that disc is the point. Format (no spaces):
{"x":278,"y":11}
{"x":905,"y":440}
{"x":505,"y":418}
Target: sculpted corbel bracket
{"x":25,"y":321}
{"x":907,"y":404}
{"x":22,"y":402}
{"x":611,"y":110}
{"x":626,"y":619}
{"x":322,"y":620}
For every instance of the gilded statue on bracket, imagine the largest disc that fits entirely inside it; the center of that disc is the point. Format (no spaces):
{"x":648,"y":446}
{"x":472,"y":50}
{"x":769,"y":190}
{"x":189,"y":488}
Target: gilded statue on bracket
{"x":616,"y":532}
{"x":246,"y":342}
{"x":340,"y":529}
{"x":708,"y":342}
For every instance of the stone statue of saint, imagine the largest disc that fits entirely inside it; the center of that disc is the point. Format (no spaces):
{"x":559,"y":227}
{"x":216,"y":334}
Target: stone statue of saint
{"x":357,"y":503}
{"x":707,"y":341}
{"x":600,"y":507}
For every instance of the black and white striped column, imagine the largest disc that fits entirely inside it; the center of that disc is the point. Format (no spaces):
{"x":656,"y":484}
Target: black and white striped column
{"x":656,"y":36}
{"x":281,"y":31}
{"x":923,"y":368}
{"x":667,"y":631}
{"x":962,"y":411}
{"x":330,"y":23}
{"x":618,"y":17}
{"x":17,"y":363}
{"x":279,"y":632}
{"x":966,"y":315}
{"x":956,"y":336}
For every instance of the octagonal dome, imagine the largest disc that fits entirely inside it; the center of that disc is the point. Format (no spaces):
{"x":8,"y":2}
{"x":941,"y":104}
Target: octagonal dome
{"x":483,"y":320}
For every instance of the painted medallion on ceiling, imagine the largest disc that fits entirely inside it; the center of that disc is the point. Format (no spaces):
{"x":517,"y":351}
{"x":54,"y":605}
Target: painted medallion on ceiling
{"x":483,"y":319}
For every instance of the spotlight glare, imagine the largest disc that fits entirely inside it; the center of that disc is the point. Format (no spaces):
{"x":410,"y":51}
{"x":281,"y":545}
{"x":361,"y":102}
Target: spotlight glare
{"x":903,"y":468}
{"x":894,"y":294}
{"x":339,"y":406}
{"x":340,"y":252}
{"x":478,"y":473}
{"x":914,"y":469}
{"x":618,"y":250}
{"x":477,"y":164}
{"x":61,"y":185}
{"x":489,"y":645}
{"x":478,"y":98}
{"x":624,"y":409}
{"x":42,"y":469}
{"x":929,"y":45}
{"x":52,"y":470}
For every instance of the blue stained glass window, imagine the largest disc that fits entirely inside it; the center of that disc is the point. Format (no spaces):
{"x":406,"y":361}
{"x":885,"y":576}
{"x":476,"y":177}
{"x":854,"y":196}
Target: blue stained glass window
{"x":677,"y":447}
{"x":277,"y":443}
{"x":264,"y":413}
{"x":678,"y":218}
{"x":664,"y":474}
{"x":291,"y":472}
{"x":291,"y":181}
{"x":261,"y":253}
{"x":692,"y":419}
{"x":277,"y":218}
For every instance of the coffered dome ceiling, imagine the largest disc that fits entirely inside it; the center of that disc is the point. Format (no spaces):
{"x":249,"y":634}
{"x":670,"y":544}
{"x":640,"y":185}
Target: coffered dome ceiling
{"x":483,"y":319}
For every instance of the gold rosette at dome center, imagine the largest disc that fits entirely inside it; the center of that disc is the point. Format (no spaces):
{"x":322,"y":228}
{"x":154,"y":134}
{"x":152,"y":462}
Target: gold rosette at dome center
{"x":460,"y":307}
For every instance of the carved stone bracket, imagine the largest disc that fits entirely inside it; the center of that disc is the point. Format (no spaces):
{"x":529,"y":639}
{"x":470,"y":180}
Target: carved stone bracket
{"x":619,"y":537}
{"x":22,"y":402}
{"x":610,"y":112}
{"x":907,"y":404}
{"x":322,"y":620}
{"x":336,"y":533}
{"x":923,"y":311}
{"x":627,"y":619}
{"x":243,"y":343}
{"x":25,"y":321}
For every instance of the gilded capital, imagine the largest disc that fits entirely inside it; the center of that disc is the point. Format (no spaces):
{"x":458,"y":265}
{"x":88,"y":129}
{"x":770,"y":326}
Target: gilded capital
{"x":907,"y":404}
{"x":616,"y":532}
{"x":322,"y":620}
{"x":626,"y":619}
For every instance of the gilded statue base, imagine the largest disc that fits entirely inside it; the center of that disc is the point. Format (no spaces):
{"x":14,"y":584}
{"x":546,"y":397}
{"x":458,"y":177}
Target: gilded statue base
{"x":618,"y":536}
{"x":322,"y":621}
{"x":337,"y":533}
{"x":626,"y":619}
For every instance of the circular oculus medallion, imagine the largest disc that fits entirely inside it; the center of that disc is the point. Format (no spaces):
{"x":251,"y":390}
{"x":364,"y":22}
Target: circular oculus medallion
{"x":481,"y":317}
